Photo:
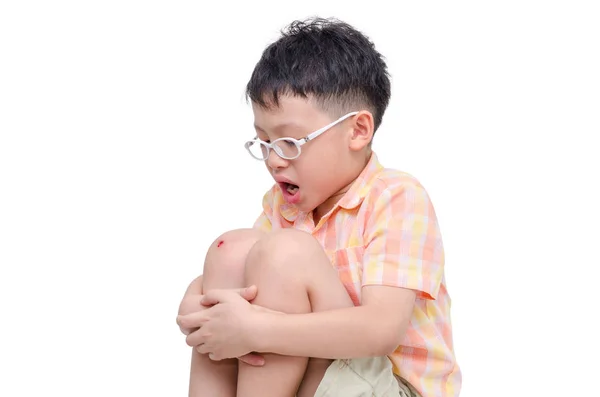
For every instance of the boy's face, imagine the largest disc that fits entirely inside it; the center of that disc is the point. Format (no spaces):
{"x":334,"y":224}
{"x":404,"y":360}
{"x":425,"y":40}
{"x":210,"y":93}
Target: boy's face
{"x":327,"y":165}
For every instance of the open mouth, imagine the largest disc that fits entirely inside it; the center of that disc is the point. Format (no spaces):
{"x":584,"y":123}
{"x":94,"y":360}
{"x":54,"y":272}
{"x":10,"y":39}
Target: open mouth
{"x":290,"y":188}
{"x":290,"y":192}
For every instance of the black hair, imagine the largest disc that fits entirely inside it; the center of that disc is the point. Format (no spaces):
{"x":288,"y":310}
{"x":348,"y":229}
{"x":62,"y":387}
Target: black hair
{"x":328,"y":60}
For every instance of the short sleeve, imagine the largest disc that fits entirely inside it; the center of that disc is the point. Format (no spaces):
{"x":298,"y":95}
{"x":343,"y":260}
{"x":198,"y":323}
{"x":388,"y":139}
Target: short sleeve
{"x":403,"y":244}
{"x":264,"y":222}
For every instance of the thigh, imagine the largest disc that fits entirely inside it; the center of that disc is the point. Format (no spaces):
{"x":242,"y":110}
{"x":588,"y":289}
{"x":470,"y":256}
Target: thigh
{"x":291,"y":257}
{"x":294,"y":275}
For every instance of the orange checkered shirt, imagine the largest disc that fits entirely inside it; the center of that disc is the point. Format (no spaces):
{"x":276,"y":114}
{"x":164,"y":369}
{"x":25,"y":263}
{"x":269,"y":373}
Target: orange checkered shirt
{"x":384,"y":231}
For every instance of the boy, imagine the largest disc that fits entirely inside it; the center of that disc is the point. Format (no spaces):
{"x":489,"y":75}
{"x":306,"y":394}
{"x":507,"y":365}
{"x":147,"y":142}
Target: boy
{"x":377,"y":322}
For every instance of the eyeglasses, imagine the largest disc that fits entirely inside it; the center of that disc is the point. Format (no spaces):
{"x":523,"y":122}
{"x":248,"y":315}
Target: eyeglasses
{"x":287,"y":148}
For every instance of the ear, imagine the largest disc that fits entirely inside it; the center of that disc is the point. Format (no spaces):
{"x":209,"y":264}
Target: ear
{"x":362,"y":132}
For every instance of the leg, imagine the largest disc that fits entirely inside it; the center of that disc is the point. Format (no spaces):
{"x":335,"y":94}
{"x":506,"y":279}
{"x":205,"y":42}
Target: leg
{"x":223,"y":268}
{"x":293,"y":275}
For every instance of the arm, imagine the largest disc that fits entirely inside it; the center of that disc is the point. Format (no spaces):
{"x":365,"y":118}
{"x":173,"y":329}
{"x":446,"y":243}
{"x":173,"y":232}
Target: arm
{"x":195,"y":286}
{"x":403,"y":260}
{"x":190,"y":301}
{"x":373,"y":329}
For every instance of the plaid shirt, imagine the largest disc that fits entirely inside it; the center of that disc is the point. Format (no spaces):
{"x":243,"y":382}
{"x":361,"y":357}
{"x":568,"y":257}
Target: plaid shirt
{"x":384,"y":231}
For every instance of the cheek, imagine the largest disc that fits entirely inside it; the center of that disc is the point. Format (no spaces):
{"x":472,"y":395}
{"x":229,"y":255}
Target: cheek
{"x":318,"y":171}
{"x":305,"y":168}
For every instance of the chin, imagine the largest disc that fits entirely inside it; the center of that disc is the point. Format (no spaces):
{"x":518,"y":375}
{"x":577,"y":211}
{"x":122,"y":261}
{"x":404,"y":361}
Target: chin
{"x":305,"y":208}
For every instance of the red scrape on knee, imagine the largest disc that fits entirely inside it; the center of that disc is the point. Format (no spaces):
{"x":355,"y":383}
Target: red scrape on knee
{"x":220,"y":243}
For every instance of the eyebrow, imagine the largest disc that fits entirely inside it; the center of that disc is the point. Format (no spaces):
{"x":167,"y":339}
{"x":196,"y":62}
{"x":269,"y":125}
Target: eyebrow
{"x":281,"y":127}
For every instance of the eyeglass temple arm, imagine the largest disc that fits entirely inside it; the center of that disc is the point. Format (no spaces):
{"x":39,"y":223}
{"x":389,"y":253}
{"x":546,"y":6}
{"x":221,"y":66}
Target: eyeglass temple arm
{"x":318,"y":132}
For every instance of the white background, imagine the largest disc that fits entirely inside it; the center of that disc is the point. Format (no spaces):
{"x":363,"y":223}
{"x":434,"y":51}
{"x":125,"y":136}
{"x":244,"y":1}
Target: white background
{"x":121,"y":157}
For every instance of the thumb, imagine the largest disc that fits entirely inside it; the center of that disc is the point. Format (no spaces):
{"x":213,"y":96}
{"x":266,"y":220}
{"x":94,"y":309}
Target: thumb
{"x":256,"y":360}
{"x":249,"y":293}
{"x":214,"y":296}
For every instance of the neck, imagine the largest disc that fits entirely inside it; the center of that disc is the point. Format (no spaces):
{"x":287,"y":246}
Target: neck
{"x":328,"y":204}
{"x":324,"y":208}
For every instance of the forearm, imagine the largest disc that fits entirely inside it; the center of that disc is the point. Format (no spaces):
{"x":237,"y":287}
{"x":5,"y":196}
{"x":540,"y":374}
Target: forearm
{"x":344,"y":333}
{"x":191,"y":301}
{"x":195,"y":286}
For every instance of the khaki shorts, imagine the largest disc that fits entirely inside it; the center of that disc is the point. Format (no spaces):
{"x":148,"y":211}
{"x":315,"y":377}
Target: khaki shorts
{"x":372,"y":377}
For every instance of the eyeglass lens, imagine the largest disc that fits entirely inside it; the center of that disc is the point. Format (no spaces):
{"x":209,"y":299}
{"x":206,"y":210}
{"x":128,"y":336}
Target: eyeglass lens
{"x":284,"y":148}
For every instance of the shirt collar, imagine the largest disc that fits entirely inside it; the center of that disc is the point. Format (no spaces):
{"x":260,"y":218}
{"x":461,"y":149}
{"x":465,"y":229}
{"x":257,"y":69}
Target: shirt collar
{"x":359,"y":189}
{"x":288,"y":211}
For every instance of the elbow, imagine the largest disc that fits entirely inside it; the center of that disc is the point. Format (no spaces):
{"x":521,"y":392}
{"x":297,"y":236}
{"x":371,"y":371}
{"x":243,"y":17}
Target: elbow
{"x":387,"y":347}
{"x":390,"y":338}
{"x":388,"y":343}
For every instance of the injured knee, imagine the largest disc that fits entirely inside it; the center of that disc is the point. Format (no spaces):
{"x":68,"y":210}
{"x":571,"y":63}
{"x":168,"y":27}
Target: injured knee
{"x":230,"y":250}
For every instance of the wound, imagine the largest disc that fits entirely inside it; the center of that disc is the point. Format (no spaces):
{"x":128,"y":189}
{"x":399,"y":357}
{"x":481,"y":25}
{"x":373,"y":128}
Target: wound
{"x":220,"y":243}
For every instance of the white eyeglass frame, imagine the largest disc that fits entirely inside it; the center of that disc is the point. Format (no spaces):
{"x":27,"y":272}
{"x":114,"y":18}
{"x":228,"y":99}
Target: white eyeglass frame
{"x":297,"y":142}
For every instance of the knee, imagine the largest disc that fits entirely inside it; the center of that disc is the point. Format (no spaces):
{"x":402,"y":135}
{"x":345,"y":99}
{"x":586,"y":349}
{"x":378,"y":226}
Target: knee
{"x":228,"y":252}
{"x":283,"y":249}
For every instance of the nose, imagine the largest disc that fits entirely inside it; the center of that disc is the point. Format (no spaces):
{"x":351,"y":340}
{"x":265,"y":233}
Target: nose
{"x":275,"y":162}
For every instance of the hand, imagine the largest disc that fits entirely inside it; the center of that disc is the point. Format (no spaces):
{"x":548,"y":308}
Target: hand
{"x":227,"y":329}
{"x":191,"y":303}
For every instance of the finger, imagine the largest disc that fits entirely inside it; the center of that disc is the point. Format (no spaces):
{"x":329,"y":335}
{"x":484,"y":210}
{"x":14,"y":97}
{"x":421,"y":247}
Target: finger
{"x":256,"y":360}
{"x":196,"y":338}
{"x":187,"y":331}
{"x":183,"y":330}
{"x":249,"y":293}
{"x":193,"y":320}
{"x":216,"y":296}
{"x":191,"y":304}
{"x":202,"y":349}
